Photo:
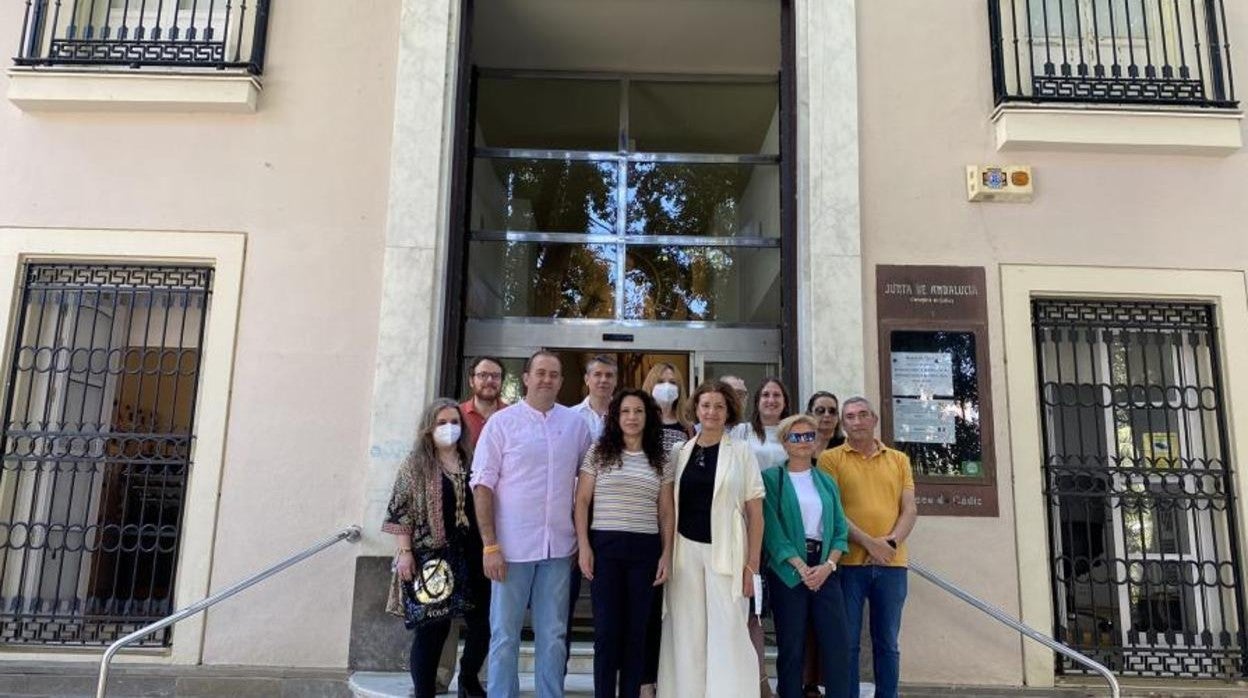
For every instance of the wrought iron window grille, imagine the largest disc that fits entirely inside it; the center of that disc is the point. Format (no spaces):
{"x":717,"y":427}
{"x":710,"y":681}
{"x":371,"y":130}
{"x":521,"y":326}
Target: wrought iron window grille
{"x":1143,"y":532}
{"x":98,"y":432}
{"x":1129,"y":52}
{"x":169,"y":34}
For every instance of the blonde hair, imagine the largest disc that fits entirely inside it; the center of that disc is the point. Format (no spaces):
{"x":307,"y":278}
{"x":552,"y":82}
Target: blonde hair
{"x":652,"y":379}
{"x":786,"y":425}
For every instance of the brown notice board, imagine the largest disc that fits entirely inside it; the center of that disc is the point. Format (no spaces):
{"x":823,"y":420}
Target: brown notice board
{"x":935,"y":392}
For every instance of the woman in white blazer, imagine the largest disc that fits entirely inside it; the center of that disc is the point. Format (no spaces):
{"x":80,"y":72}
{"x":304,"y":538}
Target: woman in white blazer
{"x":706,"y":648}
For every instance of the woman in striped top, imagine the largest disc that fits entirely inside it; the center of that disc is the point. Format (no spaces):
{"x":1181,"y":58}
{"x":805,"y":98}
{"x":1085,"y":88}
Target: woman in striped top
{"x":626,"y":552}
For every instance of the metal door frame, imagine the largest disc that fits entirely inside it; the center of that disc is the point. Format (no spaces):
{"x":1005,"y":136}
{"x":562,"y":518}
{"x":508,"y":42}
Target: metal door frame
{"x":520,"y":337}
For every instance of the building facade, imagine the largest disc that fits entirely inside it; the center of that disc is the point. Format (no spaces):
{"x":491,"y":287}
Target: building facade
{"x":293,"y":222}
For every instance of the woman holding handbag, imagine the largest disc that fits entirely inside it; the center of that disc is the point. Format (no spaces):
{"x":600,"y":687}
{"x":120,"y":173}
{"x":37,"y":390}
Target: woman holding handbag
{"x":437,"y":567}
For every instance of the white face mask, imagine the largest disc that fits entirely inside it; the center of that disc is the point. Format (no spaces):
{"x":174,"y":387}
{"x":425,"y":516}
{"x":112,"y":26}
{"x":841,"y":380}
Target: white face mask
{"x":446,"y":434}
{"x":665,"y":393}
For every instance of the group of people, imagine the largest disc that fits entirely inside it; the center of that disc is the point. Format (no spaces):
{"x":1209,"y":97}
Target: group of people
{"x":673,"y":510}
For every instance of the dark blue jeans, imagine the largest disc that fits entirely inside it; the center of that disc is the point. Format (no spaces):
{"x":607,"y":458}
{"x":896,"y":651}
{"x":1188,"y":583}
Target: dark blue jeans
{"x":885,"y":589}
{"x":794,"y":609}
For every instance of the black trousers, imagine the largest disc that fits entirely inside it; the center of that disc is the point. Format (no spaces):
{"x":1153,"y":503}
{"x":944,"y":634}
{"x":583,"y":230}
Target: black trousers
{"x":427,"y":641}
{"x":794,"y":609}
{"x":623,"y":594}
{"x":654,"y":637}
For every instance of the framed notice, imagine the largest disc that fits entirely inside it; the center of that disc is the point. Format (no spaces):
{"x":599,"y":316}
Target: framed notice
{"x":922,"y":372}
{"x":936,"y":401}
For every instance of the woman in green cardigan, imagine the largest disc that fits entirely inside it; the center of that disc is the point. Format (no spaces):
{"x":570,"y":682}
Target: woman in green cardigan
{"x":804,"y":535}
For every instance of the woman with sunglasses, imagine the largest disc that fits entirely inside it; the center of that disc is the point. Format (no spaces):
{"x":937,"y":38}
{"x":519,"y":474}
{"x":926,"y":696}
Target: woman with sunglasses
{"x":825,"y":408}
{"x":804,"y":535}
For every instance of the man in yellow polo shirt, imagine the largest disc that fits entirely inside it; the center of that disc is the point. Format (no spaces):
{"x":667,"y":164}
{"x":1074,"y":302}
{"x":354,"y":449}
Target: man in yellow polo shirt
{"x":877,"y":492}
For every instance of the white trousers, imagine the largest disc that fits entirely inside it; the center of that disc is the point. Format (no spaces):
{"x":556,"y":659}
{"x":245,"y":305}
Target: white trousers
{"x":706,"y":650}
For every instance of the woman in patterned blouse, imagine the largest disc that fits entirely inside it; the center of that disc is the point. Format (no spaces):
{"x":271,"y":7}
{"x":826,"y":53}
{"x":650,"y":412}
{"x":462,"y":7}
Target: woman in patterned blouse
{"x":431,"y":508}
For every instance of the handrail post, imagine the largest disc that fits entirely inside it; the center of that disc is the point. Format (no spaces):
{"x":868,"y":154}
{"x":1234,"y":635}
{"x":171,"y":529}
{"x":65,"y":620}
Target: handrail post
{"x":350,"y":534}
{"x":1026,"y":630}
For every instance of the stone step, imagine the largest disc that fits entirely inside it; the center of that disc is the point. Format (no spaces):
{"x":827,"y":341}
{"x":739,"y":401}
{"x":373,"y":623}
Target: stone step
{"x":392,"y":685}
{"x":371,"y":684}
{"x":385,"y":685}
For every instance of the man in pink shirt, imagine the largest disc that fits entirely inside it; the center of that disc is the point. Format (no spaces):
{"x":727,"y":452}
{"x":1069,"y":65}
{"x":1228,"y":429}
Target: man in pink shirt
{"x":523,"y":484}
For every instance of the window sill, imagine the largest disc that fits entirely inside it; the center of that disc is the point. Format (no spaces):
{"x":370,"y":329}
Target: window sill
{"x":45,"y":91}
{"x":1205,"y":132}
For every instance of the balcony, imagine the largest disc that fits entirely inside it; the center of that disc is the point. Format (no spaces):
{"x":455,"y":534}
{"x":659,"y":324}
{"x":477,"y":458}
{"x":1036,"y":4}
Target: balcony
{"x":194,"y":34}
{"x":160,"y":54}
{"x":1125,"y":73}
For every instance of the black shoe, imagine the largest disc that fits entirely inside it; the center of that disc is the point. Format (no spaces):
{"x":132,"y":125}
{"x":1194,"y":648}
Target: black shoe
{"x":811,"y":690}
{"x":470,"y":687}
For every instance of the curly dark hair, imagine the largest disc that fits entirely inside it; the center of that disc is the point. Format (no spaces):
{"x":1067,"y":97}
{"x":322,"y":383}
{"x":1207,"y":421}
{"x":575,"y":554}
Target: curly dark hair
{"x":610,"y":446}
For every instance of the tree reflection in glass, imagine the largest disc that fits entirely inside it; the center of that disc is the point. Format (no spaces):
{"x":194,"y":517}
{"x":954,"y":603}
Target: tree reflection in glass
{"x":551,"y":196}
{"x":703,"y":199}
{"x":536,"y":279}
{"x":709,"y":284}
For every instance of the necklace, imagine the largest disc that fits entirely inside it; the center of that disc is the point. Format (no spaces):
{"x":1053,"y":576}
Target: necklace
{"x":699,"y":455}
{"x":459,"y":484}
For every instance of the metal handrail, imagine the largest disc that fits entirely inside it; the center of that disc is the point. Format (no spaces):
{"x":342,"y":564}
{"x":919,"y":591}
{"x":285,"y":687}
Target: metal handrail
{"x":350,"y":534}
{"x":1026,"y":630}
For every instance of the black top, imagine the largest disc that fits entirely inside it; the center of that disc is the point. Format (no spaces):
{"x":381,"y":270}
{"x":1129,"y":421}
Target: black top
{"x":836,"y":440}
{"x":468,"y":536}
{"x":677,"y":430}
{"x":697,"y":487}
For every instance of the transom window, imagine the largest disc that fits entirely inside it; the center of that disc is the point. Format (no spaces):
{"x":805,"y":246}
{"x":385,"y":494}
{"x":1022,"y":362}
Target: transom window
{"x":625,"y":197}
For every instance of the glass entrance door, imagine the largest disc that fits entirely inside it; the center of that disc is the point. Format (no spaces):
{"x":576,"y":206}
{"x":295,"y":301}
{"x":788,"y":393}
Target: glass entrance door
{"x":624,"y":213}
{"x":699,"y":354}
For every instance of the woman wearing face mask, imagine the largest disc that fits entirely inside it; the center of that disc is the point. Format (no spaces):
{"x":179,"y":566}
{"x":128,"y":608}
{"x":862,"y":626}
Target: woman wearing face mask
{"x":825,"y":408}
{"x":665,"y":384}
{"x":431,"y":508}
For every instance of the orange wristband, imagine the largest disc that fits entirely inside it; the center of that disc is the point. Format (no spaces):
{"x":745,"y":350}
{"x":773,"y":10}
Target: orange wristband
{"x":491,"y":549}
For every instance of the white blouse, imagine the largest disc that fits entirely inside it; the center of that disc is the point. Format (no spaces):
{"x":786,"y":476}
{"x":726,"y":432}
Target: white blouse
{"x":810,"y":503}
{"x":769,"y":452}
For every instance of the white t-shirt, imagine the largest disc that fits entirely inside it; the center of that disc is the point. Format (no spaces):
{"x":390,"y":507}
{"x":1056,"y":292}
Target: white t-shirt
{"x":593,"y":420}
{"x":811,"y":505}
{"x":769,"y":451}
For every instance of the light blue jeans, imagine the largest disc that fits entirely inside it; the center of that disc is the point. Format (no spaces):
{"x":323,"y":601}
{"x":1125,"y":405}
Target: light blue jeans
{"x":542,"y":586}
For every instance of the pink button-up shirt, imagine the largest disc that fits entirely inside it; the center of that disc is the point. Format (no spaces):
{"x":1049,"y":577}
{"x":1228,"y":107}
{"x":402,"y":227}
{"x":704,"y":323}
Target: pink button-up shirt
{"x":530,"y":460}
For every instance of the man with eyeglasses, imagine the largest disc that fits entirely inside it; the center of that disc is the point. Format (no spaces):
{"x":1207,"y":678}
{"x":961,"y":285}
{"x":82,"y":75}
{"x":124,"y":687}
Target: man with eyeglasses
{"x":485,"y":381}
{"x":877,"y":492}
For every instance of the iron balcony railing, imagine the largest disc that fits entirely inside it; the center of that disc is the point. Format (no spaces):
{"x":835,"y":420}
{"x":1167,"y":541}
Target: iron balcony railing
{"x":1131,"y":52}
{"x":172,"y":34}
